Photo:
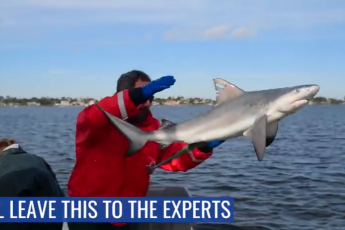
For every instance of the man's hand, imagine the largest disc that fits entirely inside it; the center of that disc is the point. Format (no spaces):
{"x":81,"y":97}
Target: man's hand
{"x":214,"y":144}
{"x":209,"y":146}
{"x":158,"y":85}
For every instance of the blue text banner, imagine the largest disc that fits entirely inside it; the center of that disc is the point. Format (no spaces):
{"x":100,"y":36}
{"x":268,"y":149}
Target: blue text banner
{"x":122,"y":210}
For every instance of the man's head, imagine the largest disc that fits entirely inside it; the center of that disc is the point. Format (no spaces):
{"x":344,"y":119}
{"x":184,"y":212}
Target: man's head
{"x":4,"y":143}
{"x":135,"y":79}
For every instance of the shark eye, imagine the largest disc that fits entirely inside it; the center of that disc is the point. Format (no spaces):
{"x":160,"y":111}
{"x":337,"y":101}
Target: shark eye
{"x":297,"y":90}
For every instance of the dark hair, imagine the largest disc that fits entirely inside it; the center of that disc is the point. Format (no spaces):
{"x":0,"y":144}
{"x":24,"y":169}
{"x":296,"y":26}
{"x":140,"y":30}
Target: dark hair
{"x":6,"y":142}
{"x":128,"y":80}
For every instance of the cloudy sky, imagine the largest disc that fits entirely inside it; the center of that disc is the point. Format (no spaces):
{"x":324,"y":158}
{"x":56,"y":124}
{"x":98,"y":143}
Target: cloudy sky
{"x":80,"y":47}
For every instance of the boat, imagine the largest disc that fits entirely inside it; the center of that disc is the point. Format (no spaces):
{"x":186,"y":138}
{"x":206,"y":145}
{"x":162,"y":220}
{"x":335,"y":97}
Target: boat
{"x":163,"y":191}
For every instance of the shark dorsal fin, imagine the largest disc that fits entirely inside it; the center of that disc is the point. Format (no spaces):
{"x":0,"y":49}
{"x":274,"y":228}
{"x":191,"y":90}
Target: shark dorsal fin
{"x":166,"y":123}
{"x":226,"y":90}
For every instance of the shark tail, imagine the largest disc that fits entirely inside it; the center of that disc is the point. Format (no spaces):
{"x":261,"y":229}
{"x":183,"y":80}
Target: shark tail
{"x":136,"y":137}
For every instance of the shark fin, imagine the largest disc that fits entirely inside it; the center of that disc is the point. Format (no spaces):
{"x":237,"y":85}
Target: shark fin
{"x":272,"y":130}
{"x":163,"y":145}
{"x":165,"y":124}
{"x":257,"y":134}
{"x":226,"y":90}
{"x":136,"y":137}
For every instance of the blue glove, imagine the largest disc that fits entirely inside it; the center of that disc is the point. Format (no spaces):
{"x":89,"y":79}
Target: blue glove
{"x":214,"y":144}
{"x":157,"y":85}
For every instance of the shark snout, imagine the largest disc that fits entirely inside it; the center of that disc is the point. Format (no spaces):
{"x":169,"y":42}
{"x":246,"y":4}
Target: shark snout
{"x":310,"y":91}
{"x":313,"y":90}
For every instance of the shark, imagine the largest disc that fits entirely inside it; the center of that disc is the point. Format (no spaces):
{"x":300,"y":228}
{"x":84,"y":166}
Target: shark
{"x":236,"y":113}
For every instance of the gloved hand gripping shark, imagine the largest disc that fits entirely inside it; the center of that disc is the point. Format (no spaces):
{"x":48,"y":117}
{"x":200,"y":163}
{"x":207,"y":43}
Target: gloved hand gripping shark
{"x":254,"y":114}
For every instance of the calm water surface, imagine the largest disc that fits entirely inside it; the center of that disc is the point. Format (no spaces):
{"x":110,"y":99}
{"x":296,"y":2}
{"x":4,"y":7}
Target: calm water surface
{"x":300,"y":184}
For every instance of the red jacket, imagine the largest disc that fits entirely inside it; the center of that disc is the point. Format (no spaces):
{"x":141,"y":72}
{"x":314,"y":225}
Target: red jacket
{"x":102,"y":169}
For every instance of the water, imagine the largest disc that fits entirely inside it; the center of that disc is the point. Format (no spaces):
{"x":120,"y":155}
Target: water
{"x":299,"y":184}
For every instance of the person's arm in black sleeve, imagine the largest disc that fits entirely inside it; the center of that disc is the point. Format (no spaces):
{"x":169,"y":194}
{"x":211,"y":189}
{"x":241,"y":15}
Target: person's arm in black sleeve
{"x":56,"y":189}
{"x":30,"y":182}
{"x":50,"y":175}
{"x":15,"y":183}
{"x":46,"y":185}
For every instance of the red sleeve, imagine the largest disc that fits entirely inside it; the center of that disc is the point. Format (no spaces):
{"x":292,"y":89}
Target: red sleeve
{"x":185,"y":162}
{"x":91,"y":118}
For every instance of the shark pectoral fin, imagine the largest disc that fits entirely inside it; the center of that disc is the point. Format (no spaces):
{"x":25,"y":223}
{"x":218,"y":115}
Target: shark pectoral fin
{"x":257,"y":134}
{"x":163,"y":144}
{"x":272,"y":130}
{"x":166,"y":123}
{"x":226,"y":90}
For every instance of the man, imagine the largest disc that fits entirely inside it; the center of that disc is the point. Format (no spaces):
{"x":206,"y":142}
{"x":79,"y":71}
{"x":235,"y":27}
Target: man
{"x":102,"y":168}
{"x":26,"y":175}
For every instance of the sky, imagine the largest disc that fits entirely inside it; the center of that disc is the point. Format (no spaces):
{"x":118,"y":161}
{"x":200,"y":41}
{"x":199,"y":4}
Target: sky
{"x":79,"y":48}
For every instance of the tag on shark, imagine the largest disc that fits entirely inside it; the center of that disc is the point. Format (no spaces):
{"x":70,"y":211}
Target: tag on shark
{"x":226,"y":90}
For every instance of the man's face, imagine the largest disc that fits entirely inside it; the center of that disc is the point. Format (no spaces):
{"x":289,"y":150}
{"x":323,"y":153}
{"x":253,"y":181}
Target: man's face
{"x":145,"y":107}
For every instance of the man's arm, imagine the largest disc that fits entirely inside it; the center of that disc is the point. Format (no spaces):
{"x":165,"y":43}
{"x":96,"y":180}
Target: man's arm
{"x":14,"y":183}
{"x":122,"y":105}
{"x":125,"y":103}
{"x":54,"y":182}
{"x":46,"y":185}
{"x":186,"y":161}
{"x":30,"y":182}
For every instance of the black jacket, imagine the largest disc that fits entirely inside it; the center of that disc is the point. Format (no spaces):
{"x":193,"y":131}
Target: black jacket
{"x":26,"y":175}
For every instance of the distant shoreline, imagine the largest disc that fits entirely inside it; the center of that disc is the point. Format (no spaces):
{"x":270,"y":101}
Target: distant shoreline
{"x":170,"y":101}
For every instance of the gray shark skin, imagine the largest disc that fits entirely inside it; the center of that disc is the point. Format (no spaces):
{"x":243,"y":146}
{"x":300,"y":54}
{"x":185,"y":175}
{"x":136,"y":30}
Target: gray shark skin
{"x":254,"y":114}
{"x":166,"y":123}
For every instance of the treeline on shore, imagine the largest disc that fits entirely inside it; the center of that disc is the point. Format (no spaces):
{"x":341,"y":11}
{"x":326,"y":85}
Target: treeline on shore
{"x":42,"y":101}
{"x":46,"y":101}
{"x":324,"y":100}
